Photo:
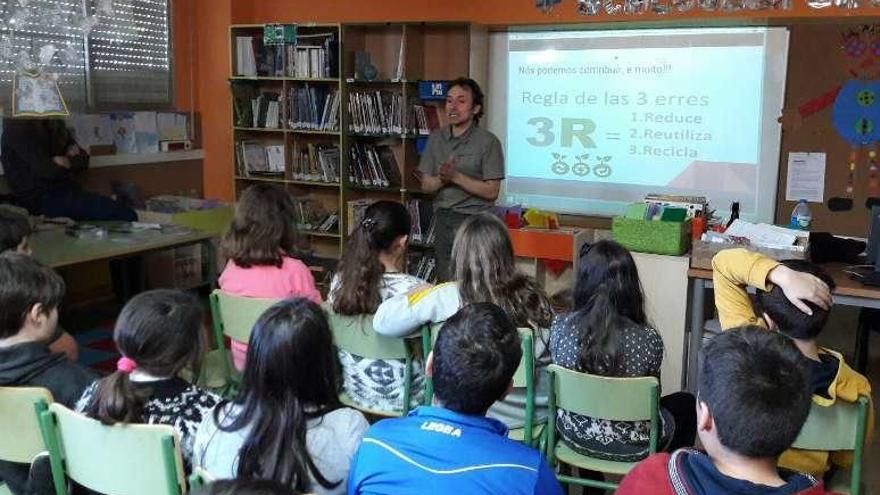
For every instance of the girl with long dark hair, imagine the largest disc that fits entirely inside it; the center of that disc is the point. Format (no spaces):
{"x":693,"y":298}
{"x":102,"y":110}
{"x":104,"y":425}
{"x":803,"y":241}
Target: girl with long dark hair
{"x":608,"y":334}
{"x":158,"y":333}
{"x":286,"y":424}
{"x":484,"y":271}
{"x":370,"y":272}
{"x":260,"y":243}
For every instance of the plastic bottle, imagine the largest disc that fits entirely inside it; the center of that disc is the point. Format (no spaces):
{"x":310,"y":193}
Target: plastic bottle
{"x":801,"y":218}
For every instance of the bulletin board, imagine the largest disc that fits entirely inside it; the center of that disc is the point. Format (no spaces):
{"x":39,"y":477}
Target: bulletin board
{"x":822,"y":60}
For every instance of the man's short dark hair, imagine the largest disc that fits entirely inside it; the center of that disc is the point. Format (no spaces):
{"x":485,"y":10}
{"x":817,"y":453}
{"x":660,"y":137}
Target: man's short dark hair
{"x":788,"y":318}
{"x":756,"y":385}
{"x":477,"y":96}
{"x":475,"y":356}
{"x":14,"y":227}
{"x":24,"y":282}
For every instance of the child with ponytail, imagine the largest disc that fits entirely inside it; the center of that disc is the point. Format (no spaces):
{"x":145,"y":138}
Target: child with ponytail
{"x":370,"y":272}
{"x":158,"y":333}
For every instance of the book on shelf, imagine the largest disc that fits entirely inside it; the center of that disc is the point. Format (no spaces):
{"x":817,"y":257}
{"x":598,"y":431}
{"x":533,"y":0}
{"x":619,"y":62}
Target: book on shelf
{"x":314,"y":108}
{"x":422,"y":265}
{"x":255,"y":59}
{"x":377,"y":112}
{"x":355,"y":211}
{"x":421,"y":214}
{"x":423,"y":119}
{"x":317,"y":162}
{"x":311,"y":215}
{"x":258,"y":158}
{"x":266,"y":110}
{"x":313,"y":57}
{"x":243,"y":95}
{"x":373,"y":166}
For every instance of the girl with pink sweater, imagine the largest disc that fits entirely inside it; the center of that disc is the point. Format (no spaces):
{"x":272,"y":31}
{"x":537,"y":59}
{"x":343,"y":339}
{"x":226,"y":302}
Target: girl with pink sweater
{"x":259,"y":243}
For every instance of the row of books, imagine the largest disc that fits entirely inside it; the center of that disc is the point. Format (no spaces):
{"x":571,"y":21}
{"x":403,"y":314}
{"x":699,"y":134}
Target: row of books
{"x":422,"y":265}
{"x":314,"y":60}
{"x":373,"y":165}
{"x":385,"y":112}
{"x":376,"y":112}
{"x":254,"y":108}
{"x":312,"y":215}
{"x":255,"y":59}
{"x":258,"y":158}
{"x":421,"y":214}
{"x":313,"y":108}
{"x":317,"y":162}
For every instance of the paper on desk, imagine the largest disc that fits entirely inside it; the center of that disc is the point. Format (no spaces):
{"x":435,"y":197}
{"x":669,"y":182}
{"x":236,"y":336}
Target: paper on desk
{"x":765,"y":235}
{"x":806,"y":177}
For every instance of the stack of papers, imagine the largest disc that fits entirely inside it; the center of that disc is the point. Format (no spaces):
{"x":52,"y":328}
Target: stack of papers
{"x":766,"y":235}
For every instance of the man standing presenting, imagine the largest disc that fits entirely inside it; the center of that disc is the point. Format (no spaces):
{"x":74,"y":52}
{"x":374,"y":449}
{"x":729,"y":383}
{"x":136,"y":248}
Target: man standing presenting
{"x":463,"y":164}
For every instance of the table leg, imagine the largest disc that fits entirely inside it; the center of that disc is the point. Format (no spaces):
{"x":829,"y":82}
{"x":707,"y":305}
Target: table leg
{"x":867,"y":319}
{"x":698,"y":296}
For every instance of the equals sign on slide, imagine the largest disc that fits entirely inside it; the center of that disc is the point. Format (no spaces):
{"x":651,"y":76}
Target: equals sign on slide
{"x":612,"y":136}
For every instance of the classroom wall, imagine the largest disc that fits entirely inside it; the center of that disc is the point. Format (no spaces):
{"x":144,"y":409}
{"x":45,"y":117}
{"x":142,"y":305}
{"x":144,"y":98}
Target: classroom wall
{"x":212,"y":45}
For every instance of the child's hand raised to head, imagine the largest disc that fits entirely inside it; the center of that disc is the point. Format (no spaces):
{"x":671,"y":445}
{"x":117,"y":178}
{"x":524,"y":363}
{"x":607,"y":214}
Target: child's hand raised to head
{"x":800,"y":288}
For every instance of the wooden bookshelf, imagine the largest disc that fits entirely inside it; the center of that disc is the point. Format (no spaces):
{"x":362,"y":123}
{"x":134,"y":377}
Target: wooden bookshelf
{"x":431,"y":51}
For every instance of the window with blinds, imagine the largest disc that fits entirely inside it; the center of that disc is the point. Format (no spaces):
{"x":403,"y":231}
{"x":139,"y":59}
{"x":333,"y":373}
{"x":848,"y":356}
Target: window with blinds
{"x":126,"y":64}
{"x":130,"y":55}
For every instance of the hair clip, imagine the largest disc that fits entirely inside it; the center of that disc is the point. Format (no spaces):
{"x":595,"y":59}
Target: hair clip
{"x":126,"y":365}
{"x":368,"y":223}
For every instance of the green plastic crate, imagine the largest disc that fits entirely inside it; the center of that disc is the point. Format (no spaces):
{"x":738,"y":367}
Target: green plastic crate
{"x":649,"y":236}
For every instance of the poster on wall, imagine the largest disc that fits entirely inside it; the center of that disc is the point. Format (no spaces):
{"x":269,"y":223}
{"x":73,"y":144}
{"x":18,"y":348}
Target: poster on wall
{"x":36,"y":94}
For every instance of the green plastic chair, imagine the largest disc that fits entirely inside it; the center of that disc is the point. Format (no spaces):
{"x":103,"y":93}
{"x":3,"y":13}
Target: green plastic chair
{"x":615,"y":399}
{"x":17,"y":405}
{"x":524,"y":377}
{"x":118,"y":460}
{"x":838,"y":427}
{"x":199,"y":478}
{"x":355,"y":335}
{"x":233,"y":317}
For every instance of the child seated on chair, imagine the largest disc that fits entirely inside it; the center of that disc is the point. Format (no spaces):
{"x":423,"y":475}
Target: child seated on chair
{"x":370,"y":272}
{"x":452,"y":447}
{"x":14,"y":232}
{"x":754,"y":397}
{"x":158,"y":333}
{"x":794,"y":298}
{"x":286,"y":424}
{"x":484,"y":271}
{"x":260,"y":243}
{"x":29,"y":297}
{"x":245,"y":487}
{"x":608,"y":334}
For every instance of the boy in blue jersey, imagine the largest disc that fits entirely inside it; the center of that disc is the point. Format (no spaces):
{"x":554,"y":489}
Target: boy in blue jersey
{"x":452,"y":447}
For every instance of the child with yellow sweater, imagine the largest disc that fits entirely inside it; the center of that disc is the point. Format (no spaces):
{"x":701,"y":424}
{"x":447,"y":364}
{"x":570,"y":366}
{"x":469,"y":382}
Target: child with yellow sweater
{"x":794,"y":298}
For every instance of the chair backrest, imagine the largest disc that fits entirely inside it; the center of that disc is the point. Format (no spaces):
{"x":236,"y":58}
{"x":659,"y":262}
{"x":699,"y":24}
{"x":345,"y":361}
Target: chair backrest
{"x":118,"y":460}
{"x":20,"y":422}
{"x":524,"y":374}
{"x":237,"y":315}
{"x":835,"y":427}
{"x":618,"y":399}
{"x":355,"y":334}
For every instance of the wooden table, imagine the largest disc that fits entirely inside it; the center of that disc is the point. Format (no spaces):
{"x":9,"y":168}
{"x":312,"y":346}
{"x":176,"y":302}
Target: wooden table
{"x":56,"y":249}
{"x":848,"y":292}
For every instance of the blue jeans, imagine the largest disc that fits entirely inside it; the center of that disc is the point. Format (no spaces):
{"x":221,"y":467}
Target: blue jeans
{"x":84,"y":206}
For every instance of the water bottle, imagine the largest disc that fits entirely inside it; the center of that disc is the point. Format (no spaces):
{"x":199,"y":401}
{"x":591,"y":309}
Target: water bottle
{"x":801,"y":218}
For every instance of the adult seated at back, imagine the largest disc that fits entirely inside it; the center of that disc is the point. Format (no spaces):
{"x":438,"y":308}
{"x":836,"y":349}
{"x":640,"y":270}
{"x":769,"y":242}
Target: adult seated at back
{"x":452,"y":447}
{"x":41,"y":161}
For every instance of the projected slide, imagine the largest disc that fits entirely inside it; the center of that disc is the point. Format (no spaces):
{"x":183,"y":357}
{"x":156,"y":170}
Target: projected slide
{"x":611,"y":116}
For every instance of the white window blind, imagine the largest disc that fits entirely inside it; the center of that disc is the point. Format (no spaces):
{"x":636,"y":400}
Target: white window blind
{"x":129,"y":55}
{"x":128,"y":63}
